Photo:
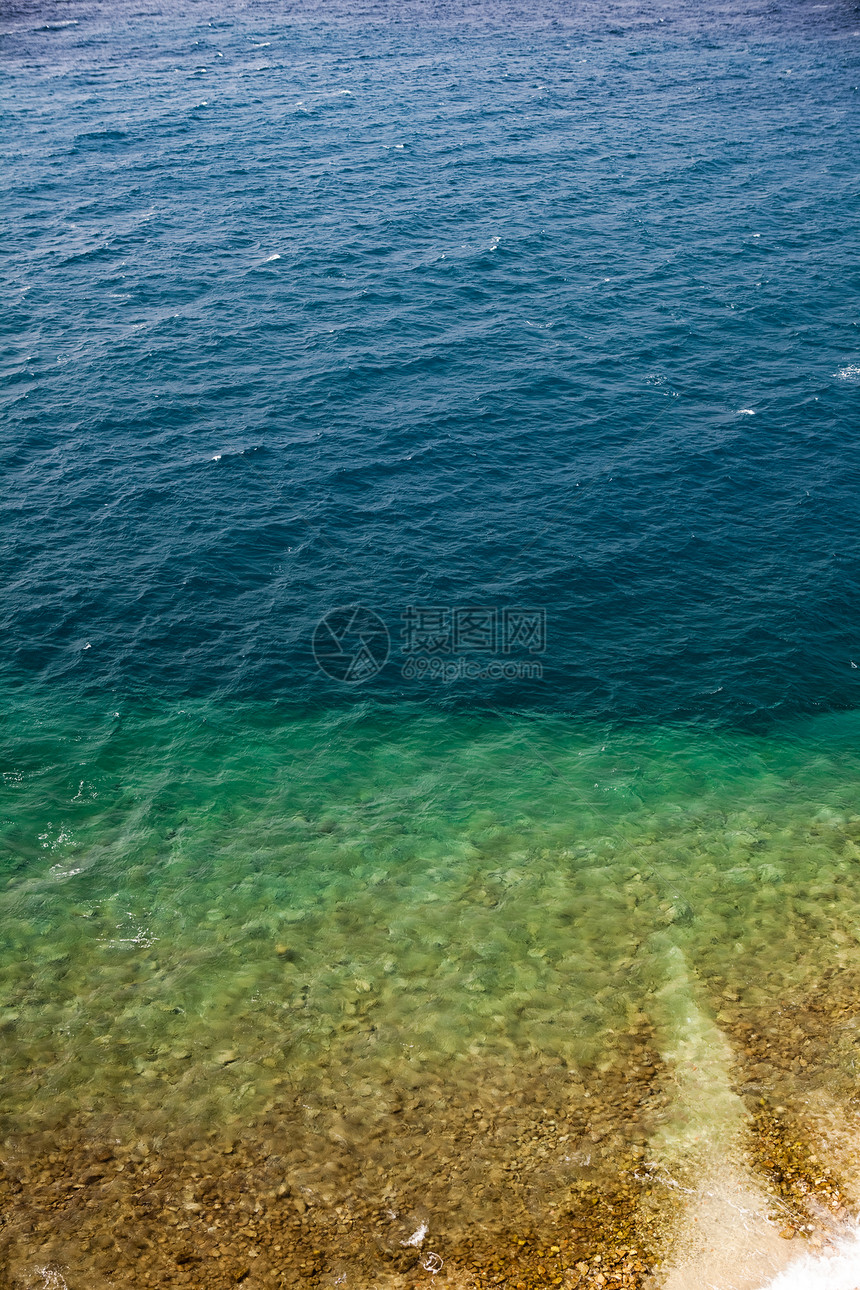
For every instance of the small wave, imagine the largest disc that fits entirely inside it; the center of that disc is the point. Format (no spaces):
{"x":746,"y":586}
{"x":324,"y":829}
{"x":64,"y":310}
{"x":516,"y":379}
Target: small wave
{"x":141,"y":937}
{"x":82,"y":257}
{"x":100,"y":136}
{"x":57,"y":871}
{"x":745,"y":412}
{"x":237,"y":452}
{"x":849,"y":373}
{"x":836,"y":1269}
{"x":272,"y":258}
{"x":52,"y":1279}
{"x":58,"y":26}
{"x":318,"y":102}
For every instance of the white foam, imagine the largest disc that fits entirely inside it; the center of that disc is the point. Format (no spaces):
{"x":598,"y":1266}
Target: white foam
{"x":849,"y":373}
{"x":838,"y":1268}
{"x":52,"y":1279}
{"x":272,"y":258}
{"x":725,"y":1240}
{"x":745,"y":412}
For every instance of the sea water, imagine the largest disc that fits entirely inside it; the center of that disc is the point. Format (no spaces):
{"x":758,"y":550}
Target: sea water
{"x":529,"y":332}
{"x":204,"y":902}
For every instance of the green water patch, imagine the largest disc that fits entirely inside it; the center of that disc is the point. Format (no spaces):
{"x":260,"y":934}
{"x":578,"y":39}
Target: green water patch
{"x":200,"y":902}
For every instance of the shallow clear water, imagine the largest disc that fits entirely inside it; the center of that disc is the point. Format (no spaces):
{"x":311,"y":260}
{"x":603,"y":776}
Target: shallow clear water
{"x":182,"y":881}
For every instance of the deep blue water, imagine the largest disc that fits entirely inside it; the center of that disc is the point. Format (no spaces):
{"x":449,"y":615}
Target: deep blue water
{"x":548,"y":306}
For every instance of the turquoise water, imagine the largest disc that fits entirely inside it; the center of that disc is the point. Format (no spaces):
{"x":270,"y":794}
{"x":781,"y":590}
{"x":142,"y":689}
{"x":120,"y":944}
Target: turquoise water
{"x":200,"y":900}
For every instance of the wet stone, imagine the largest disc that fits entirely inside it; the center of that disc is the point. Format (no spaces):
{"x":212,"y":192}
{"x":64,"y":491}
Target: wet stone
{"x":357,"y":1197}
